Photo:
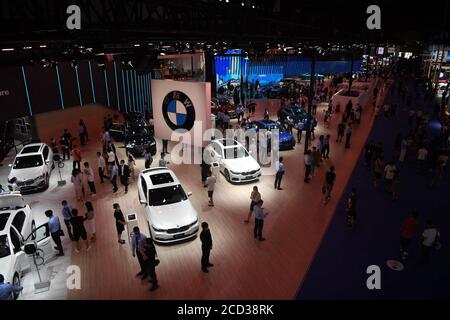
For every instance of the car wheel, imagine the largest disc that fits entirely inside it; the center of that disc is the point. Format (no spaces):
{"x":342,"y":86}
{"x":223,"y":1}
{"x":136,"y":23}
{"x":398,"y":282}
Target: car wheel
{"x":16,"y":282}
{"x":227,"y":175}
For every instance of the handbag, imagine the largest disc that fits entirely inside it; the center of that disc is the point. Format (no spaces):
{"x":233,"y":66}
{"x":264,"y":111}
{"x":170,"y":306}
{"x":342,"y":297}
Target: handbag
{"x":61,"y":233}
{"x":156,"y":259}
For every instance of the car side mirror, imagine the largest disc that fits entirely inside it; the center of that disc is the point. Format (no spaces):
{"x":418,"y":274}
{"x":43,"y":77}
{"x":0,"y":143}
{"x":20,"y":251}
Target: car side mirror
{"x":189,"y":194}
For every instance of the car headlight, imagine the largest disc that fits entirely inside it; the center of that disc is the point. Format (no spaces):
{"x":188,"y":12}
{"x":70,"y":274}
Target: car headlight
{"x":42,"y":176}
{"x":130,"y":145}
{"x":156,"y":229}
{"x":234,"y":172}
{"x":193,"y":223}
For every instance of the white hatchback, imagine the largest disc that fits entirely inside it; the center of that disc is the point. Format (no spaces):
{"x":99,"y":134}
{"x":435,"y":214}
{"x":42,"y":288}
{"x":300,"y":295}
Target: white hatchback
{"x":168,"y":210}
{"x":235,"y":162}
{"x":17,"y":227}
{"x":32,"y":168}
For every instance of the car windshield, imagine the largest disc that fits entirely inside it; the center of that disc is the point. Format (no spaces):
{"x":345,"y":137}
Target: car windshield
{"x":272,"y":126}
{"x":4,"y":247}
{"x":166,"y":195}
{"x":138,"y":131}
{"x":235,"y":153}
{"x":28,"y":162}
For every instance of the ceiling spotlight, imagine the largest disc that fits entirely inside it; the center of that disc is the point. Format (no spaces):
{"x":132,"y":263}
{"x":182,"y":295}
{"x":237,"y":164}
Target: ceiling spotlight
{"x":243,"y":4}
{"x":43,"y":46}
{"x":8,"y":49}
{"x":74,"y":64}
{"x":27,"y":48}
{"x":137,"y":45}
{"x":253,"y":6}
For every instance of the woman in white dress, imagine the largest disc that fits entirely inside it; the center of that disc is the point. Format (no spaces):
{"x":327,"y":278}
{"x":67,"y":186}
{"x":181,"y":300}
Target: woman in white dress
{"x":90,"y":221}
{"x":77,"y":181}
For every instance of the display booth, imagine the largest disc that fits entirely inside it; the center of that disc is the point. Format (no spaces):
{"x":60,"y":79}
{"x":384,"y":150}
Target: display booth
{"x":359,"y":94}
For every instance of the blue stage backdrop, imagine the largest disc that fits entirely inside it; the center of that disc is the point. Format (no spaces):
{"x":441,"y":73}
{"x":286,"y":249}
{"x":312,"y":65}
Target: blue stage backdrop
{"x":33,"y":89}
{"x":269,"y":70}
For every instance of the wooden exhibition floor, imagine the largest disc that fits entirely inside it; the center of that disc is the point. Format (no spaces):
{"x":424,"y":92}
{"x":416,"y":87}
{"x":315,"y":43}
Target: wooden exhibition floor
{"x":244,"y":268}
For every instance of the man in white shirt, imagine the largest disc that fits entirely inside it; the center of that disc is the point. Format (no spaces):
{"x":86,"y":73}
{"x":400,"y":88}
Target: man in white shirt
{"x":210,"y":184}
{"x":101,"y":164}
{"x":430,"y":239}
{"x":422,"y":155}
{"x":89,"y":174}
{"x":279,"y":175}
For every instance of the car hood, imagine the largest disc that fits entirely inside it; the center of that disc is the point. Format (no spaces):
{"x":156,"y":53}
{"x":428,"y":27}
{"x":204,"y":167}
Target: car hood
{"x":140,"y":140}
{"x":173,"y":215}
{"x":285,"y":136}
{"x":241,"y":165}
{"x":6,"y":268}
{"x":26,"y":174}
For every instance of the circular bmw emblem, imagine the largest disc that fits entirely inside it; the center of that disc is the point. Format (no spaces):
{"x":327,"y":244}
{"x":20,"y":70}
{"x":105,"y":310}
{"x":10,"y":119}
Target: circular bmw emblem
{"x":178,"y":111}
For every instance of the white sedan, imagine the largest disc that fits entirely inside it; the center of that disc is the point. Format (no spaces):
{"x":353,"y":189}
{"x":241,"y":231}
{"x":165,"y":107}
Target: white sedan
{"x":169,"y":212}
{"x":235,"y":162}
{"x":17,"y":227}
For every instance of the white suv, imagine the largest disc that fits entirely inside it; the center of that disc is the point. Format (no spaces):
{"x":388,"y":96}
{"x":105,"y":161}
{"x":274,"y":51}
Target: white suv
{"x":169,"y":212}
{"x":235,"y":162}
{"x":32,"y":167}
{"x":17,"y":228}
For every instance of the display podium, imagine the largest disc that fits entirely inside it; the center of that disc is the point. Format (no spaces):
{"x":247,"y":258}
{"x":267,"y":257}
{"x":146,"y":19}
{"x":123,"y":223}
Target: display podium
{"x":132,"y":222}
{"x":37,"y":267}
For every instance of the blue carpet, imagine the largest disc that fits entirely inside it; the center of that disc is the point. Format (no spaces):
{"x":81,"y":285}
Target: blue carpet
{"x":338,"y":270}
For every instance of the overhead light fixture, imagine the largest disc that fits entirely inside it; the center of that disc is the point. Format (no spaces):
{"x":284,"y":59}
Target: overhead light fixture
{"x":253,"y":6}
{"x":227,"y":1}
{"x":243,"y":4}
{"x":27,"y":48}
{"x":162,"y":54}
{"x":43,"y":46}
{"x":8,"y":49}
{"x":137,"y":45}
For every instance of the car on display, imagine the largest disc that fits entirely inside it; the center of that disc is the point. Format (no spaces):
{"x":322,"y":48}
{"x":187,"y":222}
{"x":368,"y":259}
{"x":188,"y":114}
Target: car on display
{"x":135,"y":119}
{"x":116,"y":131}
{"x":286,"y":140}
{"x":292,"y":115}
{"x":235,"y":162}
{"x":17,"y":228}
{"x":137,"y":139}
{"x":223,"y":105}
{"x":6,"y":138}
{"x":32,"y":168}
{"x":170,"y":214}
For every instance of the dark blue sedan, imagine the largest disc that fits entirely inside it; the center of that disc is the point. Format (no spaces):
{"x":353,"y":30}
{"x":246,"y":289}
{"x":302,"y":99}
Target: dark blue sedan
{"x":286,"y":139}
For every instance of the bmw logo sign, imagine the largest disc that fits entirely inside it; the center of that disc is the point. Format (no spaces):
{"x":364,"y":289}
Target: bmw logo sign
{"x":178,"y":111}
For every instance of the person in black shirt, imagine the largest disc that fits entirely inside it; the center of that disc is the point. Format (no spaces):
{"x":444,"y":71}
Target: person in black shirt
{"x":124,"y":174}
{"x":78,"y":230}
{"x":330,"y":177}
{"x":206,"y":239}
{"x":68,"y":137}
{"x":340,"y":131}
{"x":148,"y":253}
{"x":120,"y":222}
{"x":65,"y":147}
